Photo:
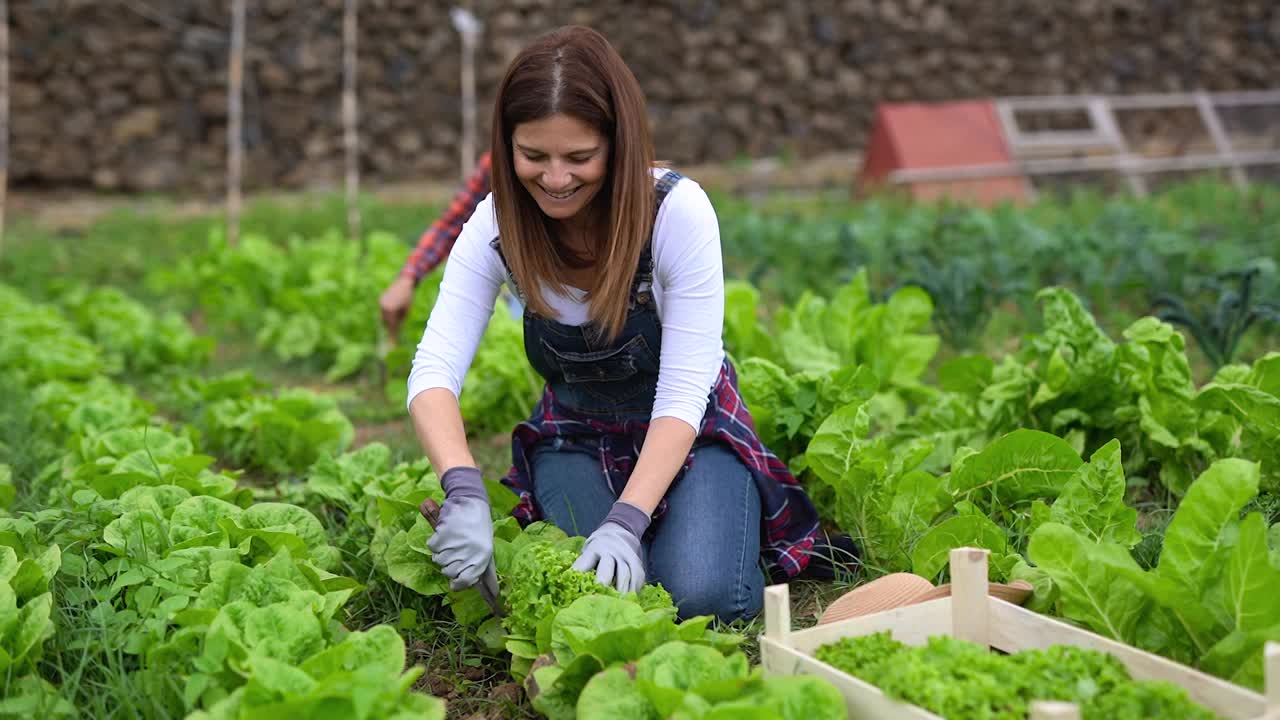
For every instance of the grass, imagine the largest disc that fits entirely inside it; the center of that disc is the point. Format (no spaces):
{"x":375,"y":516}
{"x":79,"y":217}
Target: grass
{"x":97,"y":675}
{"x":120,"y":248}
{"x":1268,"y":503}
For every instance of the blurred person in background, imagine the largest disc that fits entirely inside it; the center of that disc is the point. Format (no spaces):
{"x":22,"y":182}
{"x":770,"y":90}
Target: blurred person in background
{"x":432,"y":249}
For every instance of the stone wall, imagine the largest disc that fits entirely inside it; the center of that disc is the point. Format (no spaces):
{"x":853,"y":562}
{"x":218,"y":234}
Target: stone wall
{"x":131,"y":94}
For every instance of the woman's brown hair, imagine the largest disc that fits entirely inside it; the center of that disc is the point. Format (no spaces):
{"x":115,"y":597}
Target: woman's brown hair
{"x":574,"y":70}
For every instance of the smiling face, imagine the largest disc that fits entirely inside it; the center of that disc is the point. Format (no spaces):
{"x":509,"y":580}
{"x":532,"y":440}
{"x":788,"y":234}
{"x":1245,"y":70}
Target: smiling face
{"x":562,"y":162}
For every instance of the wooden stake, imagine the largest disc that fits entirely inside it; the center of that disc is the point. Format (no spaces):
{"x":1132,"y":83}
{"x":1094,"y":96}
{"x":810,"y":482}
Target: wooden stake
{"x":970,"y":608}
{"x":468,"y":27}
{"x":350,"y":137}
{"x":4,"y":115}
{"x":235,"y":144}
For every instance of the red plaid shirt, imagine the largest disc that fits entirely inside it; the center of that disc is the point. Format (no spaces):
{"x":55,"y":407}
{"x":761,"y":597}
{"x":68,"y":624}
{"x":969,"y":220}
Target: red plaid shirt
{"x":435,"y":244}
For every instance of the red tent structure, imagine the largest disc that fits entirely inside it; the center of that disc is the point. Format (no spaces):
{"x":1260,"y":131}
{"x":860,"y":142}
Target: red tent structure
{"x":910,"y":136}
{"x":976,"y":151}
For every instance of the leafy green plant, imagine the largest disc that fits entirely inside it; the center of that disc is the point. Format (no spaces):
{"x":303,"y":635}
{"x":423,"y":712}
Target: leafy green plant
{"x":1074,"y":381}
{"x":174,"y":588}
{"x":1250,"y":398}
{"x":962,"y":679}
{"x":38,"y":343}
{"x":282,"y":433}
{"x":597,"y":632}
{"x":307,"y":300}
{"x":907,"y":518}
{"x":1210,"y":600}
{"x":965,"y":286}
{"x":851,"y":329}
{"x":539,"y":581}
{"x":501,"y":387}
{"x":746,"y":335}
{"x":26,"y":605}
{"x":962,"y":294}
{"x":112,"y":463}
{"x":134,"y":338}
{"x":1233,"y":308}
{"x":787,"y":408}
{"x":679,"y":679}
{"x":361,"y":677}
{"x":829,"y":352}
{"x":784,"y":253}
{"x":371,"y":507}
{"x":88,"y":408}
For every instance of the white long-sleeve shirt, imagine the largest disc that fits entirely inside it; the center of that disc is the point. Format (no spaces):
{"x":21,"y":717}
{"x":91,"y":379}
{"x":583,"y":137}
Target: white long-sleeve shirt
{"x":688,"y":289}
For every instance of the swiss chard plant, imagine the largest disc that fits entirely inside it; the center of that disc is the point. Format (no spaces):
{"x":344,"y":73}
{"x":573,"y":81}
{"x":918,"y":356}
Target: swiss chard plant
{"x":1210,"y":602}
{"x":1074,"y":381}
{"x":908,"y":518}
{"x":825,"y":353}
{"x":787,"y":408}
{"x":1250,"y":397}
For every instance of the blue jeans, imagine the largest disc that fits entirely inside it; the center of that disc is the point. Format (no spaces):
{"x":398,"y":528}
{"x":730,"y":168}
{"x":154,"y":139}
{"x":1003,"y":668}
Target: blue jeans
{"x":705,"y":550}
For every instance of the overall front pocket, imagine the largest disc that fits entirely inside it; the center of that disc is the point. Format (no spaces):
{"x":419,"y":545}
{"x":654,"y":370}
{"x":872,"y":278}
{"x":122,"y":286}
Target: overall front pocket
{"x":607,"y":379}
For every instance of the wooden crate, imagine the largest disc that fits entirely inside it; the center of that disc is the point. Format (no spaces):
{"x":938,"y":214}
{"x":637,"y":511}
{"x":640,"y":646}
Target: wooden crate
{"x":971,"y":614}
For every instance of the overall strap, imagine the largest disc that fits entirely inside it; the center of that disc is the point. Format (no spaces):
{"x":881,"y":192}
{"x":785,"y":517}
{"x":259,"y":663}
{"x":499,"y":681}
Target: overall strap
{"x":496,"y":244}
{"x":644,"y":269}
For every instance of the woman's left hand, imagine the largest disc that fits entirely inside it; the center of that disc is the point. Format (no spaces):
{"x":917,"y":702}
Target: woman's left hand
{"x":613,"y":550}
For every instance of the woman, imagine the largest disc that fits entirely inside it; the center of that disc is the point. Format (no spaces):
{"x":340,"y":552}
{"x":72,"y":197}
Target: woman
{"x":640,"y":441}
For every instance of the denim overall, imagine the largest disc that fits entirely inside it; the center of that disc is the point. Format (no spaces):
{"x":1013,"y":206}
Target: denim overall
{"x":611,"y":380}
{"x":594,"y":377}
{"x":714,"y":504}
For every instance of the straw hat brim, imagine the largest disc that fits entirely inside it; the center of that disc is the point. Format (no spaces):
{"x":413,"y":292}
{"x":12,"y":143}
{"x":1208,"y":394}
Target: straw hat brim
{"x":902,"y":589}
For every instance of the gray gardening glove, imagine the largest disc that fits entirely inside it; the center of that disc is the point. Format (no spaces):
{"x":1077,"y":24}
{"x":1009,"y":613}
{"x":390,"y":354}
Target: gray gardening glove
{"x":613,"y":550}
{"x":463,"y":541}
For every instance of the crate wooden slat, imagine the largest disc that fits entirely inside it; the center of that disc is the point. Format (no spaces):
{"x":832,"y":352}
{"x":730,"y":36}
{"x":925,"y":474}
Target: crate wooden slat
{"x":1020,"y":627}
{"x":1050,"y":710}
{"x":972,"y":614}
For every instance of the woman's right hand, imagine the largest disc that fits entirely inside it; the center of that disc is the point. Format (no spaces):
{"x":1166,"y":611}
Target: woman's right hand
{"x":463,"y":541}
